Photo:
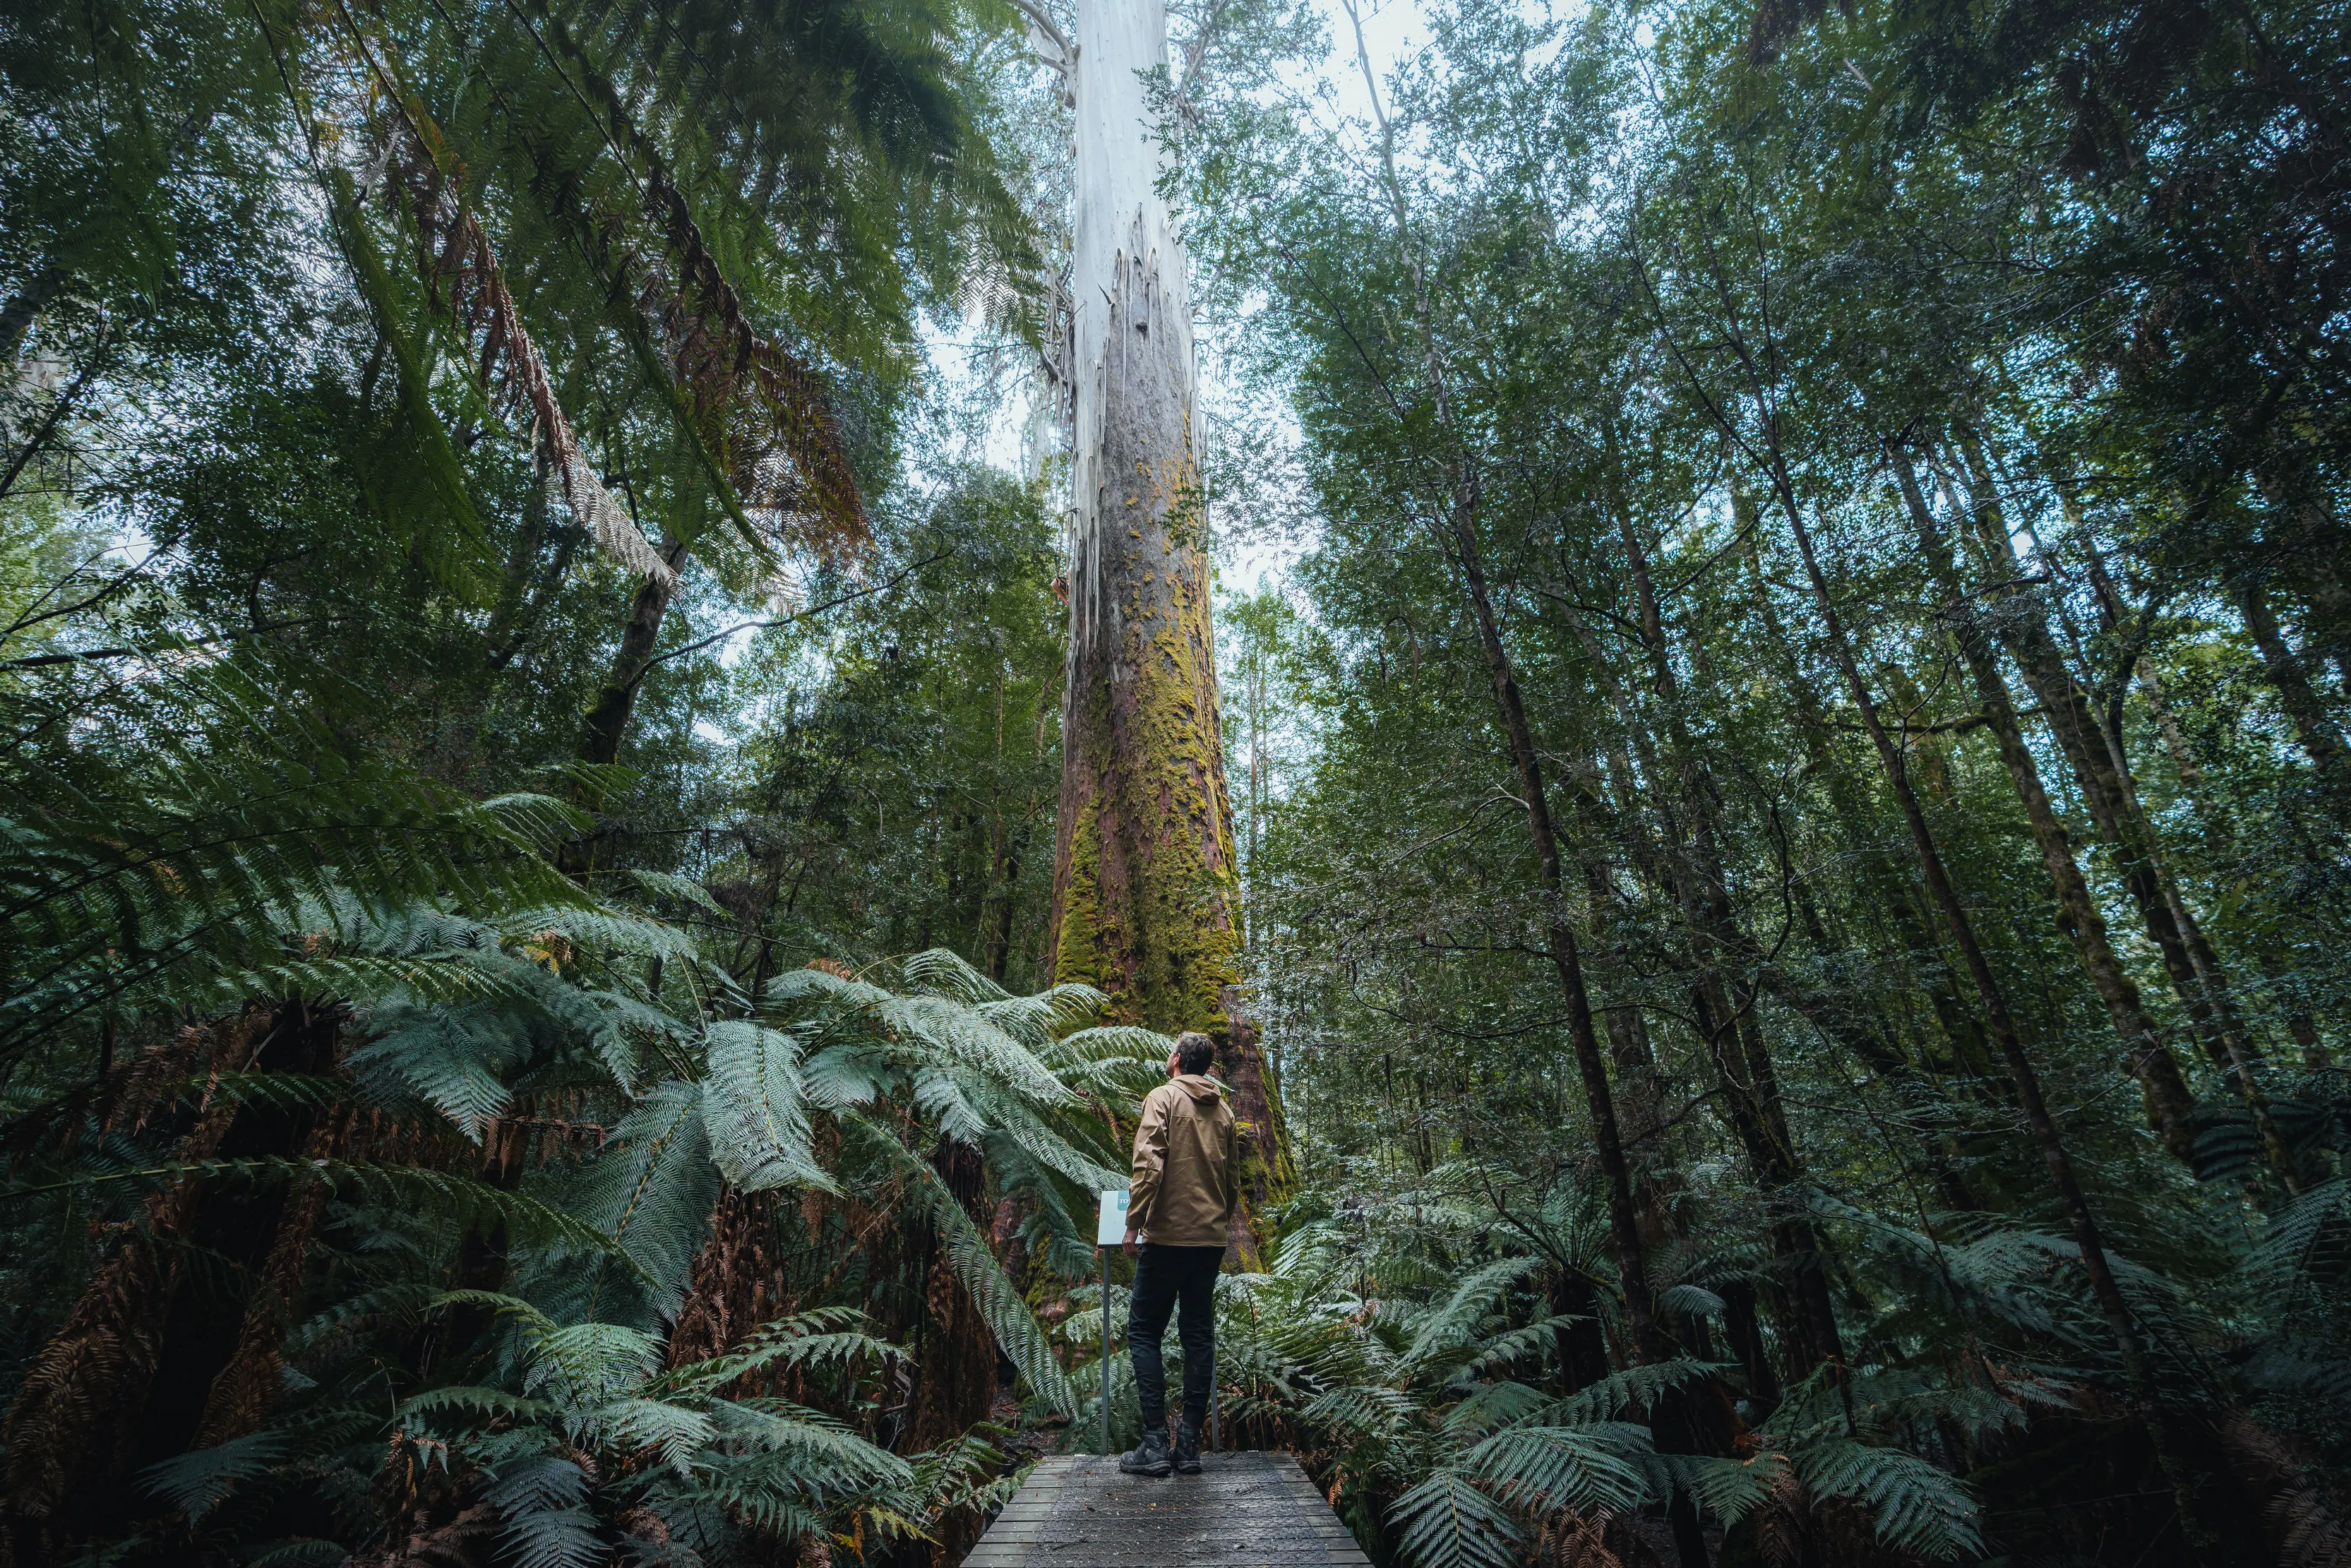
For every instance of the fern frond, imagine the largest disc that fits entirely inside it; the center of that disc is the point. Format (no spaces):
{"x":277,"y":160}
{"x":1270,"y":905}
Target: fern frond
{"x":944,"y":972}
{"x":1446,"y":1521}
{"x":1635,"y":1387}
{"x":1918,"y":1508}
{"x":649,"y":1191}
{"x":1455,"y":1323}
{"x":462,"y":1198}
{"x":200,"y":1479}
{"x":1728,"y":1489}
{"x":1601,"y":1465}
{"x":756,"y":1108}
{"x":999,"y":1302}
{"x":678,"y":889}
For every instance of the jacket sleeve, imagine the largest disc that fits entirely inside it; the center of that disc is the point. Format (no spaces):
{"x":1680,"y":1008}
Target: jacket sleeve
{"x":1150,"y":1160}
{"x":1231,"y":1165}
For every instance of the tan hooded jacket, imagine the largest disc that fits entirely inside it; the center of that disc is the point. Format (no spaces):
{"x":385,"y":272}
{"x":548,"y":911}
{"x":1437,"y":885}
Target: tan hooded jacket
{"x":1185,"y":1160}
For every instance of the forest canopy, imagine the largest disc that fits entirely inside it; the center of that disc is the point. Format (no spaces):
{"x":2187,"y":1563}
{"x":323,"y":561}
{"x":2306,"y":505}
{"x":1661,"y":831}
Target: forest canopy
{"x":1726,"y":691}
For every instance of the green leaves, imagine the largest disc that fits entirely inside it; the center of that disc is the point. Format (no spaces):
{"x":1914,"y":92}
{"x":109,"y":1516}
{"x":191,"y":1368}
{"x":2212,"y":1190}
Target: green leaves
{"x":459,"y":1197}
{"x":756,"y":1107}
{"x":199,"y":877}
{"x":1585,"y":1467}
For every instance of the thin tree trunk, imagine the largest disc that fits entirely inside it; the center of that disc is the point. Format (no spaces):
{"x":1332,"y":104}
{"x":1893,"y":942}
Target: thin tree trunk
{"x":1456,"y":537}
{"x":1671,"y":1419}
{"x":608,"y":716}
{"x":2025,"y":632}
{"x":1887,"y":890}
{"x":1725,"y":1001}
{"x":2005,"y":1033}
{"x":1560,"y":943}
{"x":2169,"y":1103}
{"x":2094,"y":744}
{"x":2313,"y":726}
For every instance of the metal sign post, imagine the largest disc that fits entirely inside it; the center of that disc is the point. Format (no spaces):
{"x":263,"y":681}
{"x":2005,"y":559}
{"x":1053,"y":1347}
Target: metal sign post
{"x":1216,"y":1406}
{"x":1110,"y":1230}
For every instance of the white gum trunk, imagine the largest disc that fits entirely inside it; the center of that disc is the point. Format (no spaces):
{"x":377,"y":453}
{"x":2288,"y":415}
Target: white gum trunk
{"x":1135,"y":418}
{"x":1146,"y":901}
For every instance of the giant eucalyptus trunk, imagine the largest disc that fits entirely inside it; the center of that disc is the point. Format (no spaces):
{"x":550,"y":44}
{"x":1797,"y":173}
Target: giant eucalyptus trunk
{"x":1146,"y":898}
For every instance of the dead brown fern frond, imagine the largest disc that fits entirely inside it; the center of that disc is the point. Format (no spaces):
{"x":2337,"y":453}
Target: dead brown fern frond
{"x":72,"y":1432}
{"x":718,"y":355}
{"x":1570,"y":1540}
{"x":2307,"y":1531}
{"x":244,"y":1389}
{"x":462,"y":271}
{"x":462,"y":275}
{"x":2300,"y":1519}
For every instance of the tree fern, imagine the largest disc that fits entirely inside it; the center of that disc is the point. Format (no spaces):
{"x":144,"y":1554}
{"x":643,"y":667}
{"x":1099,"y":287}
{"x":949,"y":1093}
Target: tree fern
{"x":977,"y":1269}
{"x":1587,"y":1468}
{"x":1446,"y":1521}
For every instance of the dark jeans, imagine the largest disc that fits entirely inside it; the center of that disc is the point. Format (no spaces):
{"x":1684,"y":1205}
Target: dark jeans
{"x":1164,"y":1277}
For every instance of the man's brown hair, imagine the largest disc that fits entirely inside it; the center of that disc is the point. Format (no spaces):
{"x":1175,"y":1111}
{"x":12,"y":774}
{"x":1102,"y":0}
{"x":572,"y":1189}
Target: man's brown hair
{"x":1194,"y":1051}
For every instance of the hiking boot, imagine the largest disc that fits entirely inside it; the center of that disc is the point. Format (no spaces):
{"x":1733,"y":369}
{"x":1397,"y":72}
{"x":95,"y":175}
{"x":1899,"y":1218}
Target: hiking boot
{"x":1187,"y":1450}
{"x":1149,"y":1457}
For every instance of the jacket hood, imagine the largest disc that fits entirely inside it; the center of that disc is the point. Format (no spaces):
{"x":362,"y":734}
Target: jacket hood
{"x":1197,"y":1086}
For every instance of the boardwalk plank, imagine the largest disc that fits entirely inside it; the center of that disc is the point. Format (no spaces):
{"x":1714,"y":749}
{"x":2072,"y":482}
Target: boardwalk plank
{"x":1243,"y":1511}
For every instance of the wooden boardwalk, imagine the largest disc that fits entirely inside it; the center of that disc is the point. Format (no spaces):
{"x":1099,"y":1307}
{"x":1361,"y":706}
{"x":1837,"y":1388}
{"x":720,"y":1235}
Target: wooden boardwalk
{"x":1242,"y":1511}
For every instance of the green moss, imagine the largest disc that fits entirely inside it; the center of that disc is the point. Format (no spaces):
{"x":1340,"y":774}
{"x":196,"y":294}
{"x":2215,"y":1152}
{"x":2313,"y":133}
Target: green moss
{"x":1081,"y":956}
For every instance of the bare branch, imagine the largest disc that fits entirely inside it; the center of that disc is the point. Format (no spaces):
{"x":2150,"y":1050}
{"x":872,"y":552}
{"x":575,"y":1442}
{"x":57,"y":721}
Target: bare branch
{"x":1043,"y":21}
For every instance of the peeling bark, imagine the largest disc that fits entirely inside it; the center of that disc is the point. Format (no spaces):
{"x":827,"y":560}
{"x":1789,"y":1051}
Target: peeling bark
{"x":1146,"y":899}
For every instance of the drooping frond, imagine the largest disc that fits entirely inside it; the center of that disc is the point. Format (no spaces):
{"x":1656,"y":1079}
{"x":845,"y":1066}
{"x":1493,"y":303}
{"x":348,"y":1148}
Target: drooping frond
{"x":718,"y":356}
{"x":1918,"y":1509}
{"x":999,"y":1302}
{"x":460,"y":273}
{"x":1453,"y":1323}
{"x":1446,"y":1521}
{"x":1587,"y":1468}
{"x":755,"y":1107}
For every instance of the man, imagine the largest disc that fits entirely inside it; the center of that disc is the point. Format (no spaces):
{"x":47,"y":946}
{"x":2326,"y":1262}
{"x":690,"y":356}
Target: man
{"x":1179,"y":1205}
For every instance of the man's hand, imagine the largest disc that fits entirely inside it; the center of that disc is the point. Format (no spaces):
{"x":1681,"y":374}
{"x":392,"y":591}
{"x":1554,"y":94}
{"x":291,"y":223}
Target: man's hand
{"x":1127,"y":1246}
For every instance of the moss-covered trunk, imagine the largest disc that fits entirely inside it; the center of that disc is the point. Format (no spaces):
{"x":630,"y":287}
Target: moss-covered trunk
{"x":1146,"y":898}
